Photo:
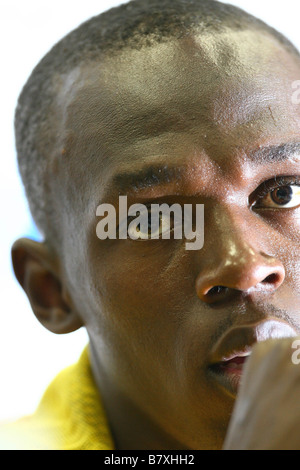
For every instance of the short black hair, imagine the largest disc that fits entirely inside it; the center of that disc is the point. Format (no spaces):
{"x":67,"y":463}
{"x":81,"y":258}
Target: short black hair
{"x":136,"y":24}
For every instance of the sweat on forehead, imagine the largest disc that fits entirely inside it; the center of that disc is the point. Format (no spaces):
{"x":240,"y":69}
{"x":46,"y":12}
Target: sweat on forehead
{"x":137,"y":25}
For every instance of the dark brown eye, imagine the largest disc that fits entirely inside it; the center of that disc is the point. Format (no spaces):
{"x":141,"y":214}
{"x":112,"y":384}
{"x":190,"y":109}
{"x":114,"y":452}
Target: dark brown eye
{"x":282,"y":196}
{"x":156,"y":231}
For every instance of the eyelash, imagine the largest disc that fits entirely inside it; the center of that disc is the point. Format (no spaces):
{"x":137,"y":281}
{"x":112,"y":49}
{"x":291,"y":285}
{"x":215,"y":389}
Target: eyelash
{"x":270,"y":185}
{"x":262,"y":191}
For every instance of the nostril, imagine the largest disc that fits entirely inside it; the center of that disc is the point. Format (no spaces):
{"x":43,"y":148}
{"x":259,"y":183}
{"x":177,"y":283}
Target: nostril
{"x":222,"y":283}
{"x":271,"y":279}
{"x":216,"y":290}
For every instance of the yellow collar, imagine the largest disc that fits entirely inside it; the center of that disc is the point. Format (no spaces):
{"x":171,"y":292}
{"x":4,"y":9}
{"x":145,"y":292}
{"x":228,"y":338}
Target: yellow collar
{"x":70,"y":415}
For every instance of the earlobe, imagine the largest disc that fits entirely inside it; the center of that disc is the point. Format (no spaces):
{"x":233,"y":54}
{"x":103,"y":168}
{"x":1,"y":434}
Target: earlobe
{"x":35,"y":268}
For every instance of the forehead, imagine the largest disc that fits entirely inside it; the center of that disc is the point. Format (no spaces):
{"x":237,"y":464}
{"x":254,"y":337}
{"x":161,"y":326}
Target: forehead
{"x":222,"y":95}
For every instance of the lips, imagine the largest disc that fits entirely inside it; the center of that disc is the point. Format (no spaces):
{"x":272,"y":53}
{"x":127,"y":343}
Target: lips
{"x":233,"y":349}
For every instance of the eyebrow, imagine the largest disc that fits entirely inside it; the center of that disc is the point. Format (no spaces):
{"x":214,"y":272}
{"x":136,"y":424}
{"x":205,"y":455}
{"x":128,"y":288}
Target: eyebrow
{"x":155,"y":175}
{"x":149,"y":176}
{"x":275,"y":153}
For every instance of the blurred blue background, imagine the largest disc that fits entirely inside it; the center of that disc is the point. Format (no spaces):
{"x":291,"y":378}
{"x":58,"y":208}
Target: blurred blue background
{"x":30,"y":356}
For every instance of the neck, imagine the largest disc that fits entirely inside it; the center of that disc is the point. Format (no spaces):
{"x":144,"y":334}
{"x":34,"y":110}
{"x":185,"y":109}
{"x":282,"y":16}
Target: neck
{"x":131,"y":428}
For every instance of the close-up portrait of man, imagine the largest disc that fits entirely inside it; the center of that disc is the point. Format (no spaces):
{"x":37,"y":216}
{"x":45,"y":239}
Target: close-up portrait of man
{"x":159,"y":147}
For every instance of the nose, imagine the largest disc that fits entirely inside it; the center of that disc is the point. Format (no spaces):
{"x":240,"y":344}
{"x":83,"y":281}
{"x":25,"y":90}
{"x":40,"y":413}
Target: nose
{"x":234,"y":263}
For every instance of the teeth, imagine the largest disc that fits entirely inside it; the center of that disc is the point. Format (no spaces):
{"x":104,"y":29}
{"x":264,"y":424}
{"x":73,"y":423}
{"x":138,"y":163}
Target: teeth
{"x":238,"y":356}
{"x":244,"y":354}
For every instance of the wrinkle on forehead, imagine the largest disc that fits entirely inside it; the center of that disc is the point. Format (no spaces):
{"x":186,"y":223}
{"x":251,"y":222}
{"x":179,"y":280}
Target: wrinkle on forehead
{"x":207,"y":75}
{"x":203,"y":92}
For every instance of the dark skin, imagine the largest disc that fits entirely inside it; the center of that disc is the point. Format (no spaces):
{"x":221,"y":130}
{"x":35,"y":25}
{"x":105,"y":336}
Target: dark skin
{"x":200,"y":110}
{"x":267,"y":411}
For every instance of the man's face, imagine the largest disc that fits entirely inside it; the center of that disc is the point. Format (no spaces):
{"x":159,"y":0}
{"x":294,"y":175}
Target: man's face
{"x":208,"y":121}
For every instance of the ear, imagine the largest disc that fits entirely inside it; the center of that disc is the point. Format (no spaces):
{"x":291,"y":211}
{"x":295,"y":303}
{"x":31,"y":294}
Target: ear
{"x":35,"y":268}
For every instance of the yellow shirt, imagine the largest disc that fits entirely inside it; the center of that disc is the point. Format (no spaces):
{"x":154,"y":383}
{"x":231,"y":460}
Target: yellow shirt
{"x":70,"y":416}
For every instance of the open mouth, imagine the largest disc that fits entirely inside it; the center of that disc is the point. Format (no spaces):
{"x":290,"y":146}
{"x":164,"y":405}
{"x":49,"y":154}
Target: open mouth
{"x":231,"y":352}
{"x":229,"y":372}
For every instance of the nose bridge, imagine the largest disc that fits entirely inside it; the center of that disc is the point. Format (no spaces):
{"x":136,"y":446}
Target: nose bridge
{"x":234,"y":237}
{"x":235,"y":254}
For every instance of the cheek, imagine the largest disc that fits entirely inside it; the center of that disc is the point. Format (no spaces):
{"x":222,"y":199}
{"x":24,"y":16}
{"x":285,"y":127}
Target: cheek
{"x":149,"y":308}
{"x":143,"y":296}
{"x":142,"y":299}
{"x":145,"y":278}
{"x":287,"y":246}
{"x":287,"y":224}
{"x":291,"y":286}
